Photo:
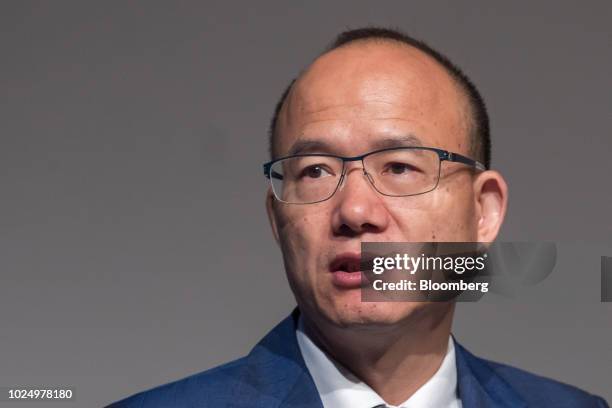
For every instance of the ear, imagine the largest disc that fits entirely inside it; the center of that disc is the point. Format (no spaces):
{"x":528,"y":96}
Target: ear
{"x":270,"y":202}
{"x":491,"y":195}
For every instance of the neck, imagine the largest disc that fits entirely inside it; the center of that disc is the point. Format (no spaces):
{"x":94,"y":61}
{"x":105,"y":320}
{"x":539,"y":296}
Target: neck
{"x":394,"y":360}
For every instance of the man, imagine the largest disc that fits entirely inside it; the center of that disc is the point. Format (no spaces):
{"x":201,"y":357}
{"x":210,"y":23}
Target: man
{"x":373,"y":94}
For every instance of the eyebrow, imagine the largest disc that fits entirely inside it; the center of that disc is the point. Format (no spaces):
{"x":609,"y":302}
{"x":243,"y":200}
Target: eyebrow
{"x":398,"y":141}
{"x":309,"y":146}
{"x":321,"y":146}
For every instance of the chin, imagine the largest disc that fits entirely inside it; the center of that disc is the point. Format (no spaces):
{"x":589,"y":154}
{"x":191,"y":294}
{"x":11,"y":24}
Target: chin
{"x":350,"y":311}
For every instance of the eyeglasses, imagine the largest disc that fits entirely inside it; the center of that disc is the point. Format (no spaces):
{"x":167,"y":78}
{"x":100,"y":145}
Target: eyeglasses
{"x":394,"y":172}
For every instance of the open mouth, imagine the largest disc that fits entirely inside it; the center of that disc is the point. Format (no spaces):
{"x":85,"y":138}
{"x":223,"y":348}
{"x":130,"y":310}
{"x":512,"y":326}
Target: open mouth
{"x":346,"y":263}
{"x":350,"y":269}
{"x":352,"y":263}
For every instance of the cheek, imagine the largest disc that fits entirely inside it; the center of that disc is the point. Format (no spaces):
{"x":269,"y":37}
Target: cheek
{"x":454,"y":212}
{"x":441,"y":215}
{"x":299,"y":228}
{"x":302,"y":232}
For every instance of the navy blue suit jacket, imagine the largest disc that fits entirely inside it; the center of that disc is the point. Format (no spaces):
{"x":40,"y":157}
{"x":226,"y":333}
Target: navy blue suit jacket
{"x":274,"y":375}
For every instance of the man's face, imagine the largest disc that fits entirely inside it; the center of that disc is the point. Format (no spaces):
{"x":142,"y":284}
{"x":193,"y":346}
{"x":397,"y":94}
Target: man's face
{"x":351,"y":101}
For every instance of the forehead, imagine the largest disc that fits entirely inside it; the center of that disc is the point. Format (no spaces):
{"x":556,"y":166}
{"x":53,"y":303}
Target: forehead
{"x":358,"y":93}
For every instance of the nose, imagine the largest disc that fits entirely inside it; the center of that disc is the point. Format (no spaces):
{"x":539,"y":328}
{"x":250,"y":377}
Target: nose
{"x":359,"y":208}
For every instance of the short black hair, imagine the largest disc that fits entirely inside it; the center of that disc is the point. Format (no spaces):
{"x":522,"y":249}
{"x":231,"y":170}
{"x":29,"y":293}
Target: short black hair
{"x":480,"y":138}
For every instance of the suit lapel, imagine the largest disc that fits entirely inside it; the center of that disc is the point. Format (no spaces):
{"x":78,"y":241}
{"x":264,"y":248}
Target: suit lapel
{"x":479,"y":386}
{"x":275,"y":374}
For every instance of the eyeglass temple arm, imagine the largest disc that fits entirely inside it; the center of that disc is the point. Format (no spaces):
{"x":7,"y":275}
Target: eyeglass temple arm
{"x":273,"y":174}
{"x":455,"y":157}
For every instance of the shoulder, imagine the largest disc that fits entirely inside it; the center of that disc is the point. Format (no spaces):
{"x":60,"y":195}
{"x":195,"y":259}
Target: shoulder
{"x":258,"y":378}
{"x":212,"y":387}
{"x":539,"y":391}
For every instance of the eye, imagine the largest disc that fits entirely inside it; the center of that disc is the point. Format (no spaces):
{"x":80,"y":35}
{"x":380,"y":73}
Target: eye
{"x":314,"y":172}
{"x":400,"y":168}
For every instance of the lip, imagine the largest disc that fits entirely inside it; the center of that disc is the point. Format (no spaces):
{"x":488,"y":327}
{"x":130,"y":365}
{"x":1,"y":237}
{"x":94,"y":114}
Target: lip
{"x":347,"y":270}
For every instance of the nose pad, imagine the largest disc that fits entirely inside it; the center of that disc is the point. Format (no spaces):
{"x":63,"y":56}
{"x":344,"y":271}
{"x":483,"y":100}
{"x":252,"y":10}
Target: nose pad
{"x":341,"y":182}
{"x":344,"y":176}
{"x":370,"y":179}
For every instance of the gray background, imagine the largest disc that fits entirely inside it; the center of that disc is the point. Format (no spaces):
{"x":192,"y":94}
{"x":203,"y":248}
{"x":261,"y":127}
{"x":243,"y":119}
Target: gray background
{"x":135,"y":249}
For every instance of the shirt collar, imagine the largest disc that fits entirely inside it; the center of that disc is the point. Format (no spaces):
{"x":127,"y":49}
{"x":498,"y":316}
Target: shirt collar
{"x":338,"y":387}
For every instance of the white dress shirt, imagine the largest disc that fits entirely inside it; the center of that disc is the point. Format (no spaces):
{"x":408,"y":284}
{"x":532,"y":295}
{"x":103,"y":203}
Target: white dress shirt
{"x":339,"y":388}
